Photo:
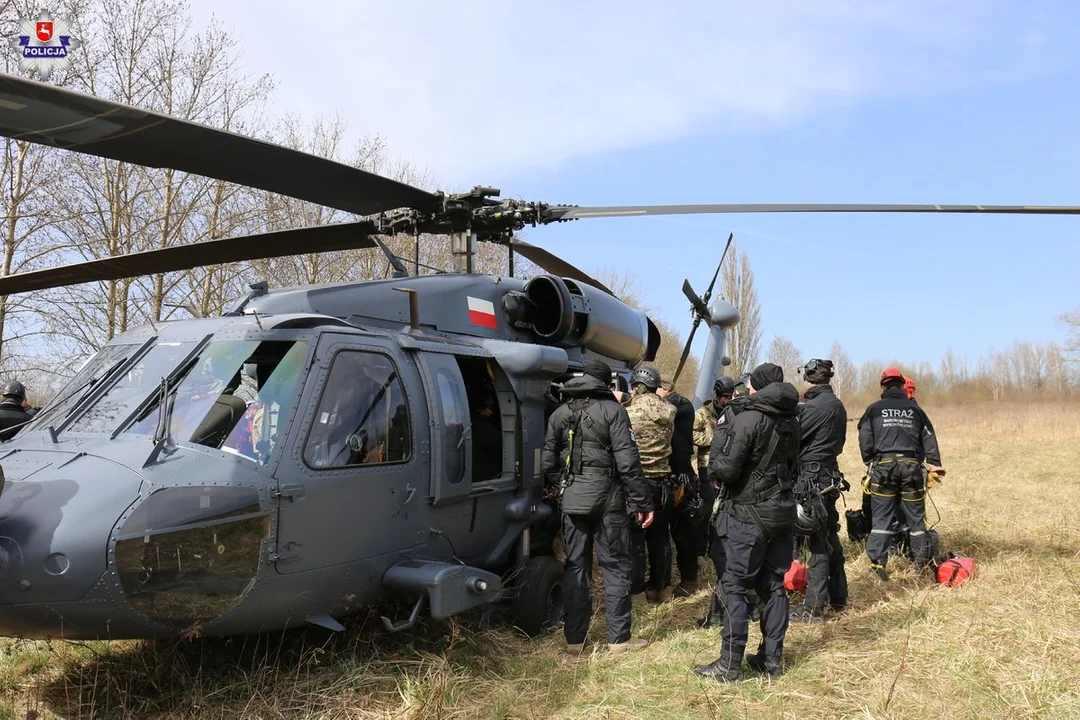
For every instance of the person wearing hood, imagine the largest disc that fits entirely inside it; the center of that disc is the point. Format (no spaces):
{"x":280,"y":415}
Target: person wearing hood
{"x":755,"y":461}
{"x":590,"y":454}
{"x":823,"y":420}
{"x":895,"y":438}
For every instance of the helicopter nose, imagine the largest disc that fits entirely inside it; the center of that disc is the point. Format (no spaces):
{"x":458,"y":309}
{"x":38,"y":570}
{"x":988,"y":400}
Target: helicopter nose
{"x":56,"y":514}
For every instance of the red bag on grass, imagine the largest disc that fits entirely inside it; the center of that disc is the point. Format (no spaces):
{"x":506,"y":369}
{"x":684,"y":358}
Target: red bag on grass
{"x":954,"y":572}
{"x":795,"y":577}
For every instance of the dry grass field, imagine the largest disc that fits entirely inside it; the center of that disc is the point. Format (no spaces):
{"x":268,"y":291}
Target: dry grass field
{"x":1006,"y":645}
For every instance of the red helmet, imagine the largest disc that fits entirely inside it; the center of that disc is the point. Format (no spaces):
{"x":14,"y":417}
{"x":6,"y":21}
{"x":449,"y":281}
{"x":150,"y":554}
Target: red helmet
{"x":891,"y":374}
{"x":909,"y":387}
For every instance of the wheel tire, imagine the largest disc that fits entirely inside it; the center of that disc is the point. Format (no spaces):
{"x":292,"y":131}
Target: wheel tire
{"x":537,"y":604}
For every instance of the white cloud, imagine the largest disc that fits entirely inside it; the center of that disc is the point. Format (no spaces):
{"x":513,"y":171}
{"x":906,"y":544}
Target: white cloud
{"x":475,"y":88}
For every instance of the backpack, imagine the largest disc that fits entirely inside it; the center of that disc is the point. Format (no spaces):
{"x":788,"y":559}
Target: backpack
{"x":857,"y":527}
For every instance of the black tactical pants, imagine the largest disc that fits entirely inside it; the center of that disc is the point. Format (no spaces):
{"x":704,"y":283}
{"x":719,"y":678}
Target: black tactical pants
{"x":650,"y":552}
{"x":685,"y":535}
{"x":897,"y":487}
{"x":753,"y":562}
{"x":719,"y":561}
{"x":610,"y":533}
{"x":704,"y":530}
{"x":658,"y":545}
{"x":826,"y":580}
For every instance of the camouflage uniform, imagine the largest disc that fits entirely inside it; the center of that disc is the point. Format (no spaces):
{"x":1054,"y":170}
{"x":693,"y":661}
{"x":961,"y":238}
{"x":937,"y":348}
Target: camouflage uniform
{"x":653,"y":421}
{"x":704,"y":424}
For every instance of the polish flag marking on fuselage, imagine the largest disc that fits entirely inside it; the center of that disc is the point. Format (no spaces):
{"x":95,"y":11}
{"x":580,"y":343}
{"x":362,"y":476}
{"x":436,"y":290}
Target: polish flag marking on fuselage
{"x":482,"y":312}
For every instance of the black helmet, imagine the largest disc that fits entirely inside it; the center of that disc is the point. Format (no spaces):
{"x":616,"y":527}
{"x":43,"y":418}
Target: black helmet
{"x":806,"y":520}
{"x":15,"y":389}
{"x":647,"y":376}
{"x":818,"y":371}
{"x":724,"y":386}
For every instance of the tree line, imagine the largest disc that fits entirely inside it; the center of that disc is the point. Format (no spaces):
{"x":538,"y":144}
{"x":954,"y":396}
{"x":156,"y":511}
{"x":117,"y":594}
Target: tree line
{"x":61,"y":207}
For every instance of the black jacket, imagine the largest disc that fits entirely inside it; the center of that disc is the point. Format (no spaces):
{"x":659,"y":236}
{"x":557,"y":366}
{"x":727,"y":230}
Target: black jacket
{"x":824,"y":425}
{"x":12,"y":416}
{"x":682,"y":440}
{"x":611,"y":477}
{"x":737,"y":451}
{"x":895,"y":424}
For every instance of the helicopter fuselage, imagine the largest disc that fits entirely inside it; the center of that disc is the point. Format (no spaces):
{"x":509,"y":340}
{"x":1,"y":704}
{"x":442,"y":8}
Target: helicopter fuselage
{"x":249,"y":473}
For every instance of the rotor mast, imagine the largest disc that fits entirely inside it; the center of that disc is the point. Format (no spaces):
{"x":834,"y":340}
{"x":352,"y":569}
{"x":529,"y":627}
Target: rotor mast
{"x":463,"y":249}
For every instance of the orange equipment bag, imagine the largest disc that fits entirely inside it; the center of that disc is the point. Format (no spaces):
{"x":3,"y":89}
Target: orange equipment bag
{"x":795,"y":577}
{"x":954,"y":572}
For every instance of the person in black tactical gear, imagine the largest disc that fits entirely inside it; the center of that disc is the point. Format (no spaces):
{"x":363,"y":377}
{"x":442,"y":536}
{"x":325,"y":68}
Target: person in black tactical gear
{"x":590,"y":453}
{"x":824,"y":429}
{"x":895,"y":438}
{"x":684,"y":530}
{"x":13,"y":414}
{"x":755,"y":461}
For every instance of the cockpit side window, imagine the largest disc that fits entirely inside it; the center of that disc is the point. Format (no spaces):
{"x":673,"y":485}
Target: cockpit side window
{"x":362,"y":417}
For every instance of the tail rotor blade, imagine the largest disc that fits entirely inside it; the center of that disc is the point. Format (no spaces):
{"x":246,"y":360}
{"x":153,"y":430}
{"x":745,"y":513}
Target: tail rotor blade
{"x":701,"y":310}
{"x":685,"y":353}
{"x":708,"y":292}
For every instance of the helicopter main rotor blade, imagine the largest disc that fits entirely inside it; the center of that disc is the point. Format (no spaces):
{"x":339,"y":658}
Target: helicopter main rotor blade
{"x":49,"y":115}
{"x":554,"y":264}
{"x":322,"y":238}
{"x":554,"y":213}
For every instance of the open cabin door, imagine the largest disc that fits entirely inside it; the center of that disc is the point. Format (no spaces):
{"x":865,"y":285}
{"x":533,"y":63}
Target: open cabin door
{"x":451,"y":448}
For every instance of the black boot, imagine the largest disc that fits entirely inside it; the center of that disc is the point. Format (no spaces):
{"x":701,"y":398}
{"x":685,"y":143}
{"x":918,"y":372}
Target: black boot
{"x":715,"y":616}
{"x":720,"y":671}
{"x":771,"y":666}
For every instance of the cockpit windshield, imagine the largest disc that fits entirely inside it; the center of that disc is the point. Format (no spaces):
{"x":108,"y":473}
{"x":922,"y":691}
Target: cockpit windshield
{"x":105,"y":362}
{"x":232,"y":396}
{"x":133,"y":387}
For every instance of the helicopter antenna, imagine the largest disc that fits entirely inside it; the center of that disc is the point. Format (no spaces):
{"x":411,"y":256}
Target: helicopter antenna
{"x":255,"y":314}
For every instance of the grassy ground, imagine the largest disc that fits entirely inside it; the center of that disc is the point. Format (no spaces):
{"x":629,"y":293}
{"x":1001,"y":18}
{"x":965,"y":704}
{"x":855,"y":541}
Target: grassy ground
{"x":1004,"y":646}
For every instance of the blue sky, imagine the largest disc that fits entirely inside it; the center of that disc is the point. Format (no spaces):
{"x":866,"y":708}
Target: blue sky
{"x":625,"y":103}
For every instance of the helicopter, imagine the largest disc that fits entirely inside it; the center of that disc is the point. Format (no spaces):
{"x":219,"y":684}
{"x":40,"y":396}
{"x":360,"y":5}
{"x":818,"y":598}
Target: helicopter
{"x":315,"y":450}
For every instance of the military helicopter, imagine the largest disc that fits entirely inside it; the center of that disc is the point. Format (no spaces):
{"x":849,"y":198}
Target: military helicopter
{"x":314,"y":450}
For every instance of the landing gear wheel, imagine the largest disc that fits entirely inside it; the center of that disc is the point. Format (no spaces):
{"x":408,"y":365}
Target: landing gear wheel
{"x":537,"y":604}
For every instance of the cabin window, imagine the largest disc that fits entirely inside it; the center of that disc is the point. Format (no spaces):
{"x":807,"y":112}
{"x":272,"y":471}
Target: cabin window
{"x":454,"y":421}
{"x":363,"y":416}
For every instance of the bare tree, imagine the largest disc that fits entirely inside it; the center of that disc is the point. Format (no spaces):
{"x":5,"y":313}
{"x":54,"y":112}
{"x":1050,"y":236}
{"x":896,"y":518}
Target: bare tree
{"x":845,"y":374}
{"x":737,"y":287}
{"x":1072,"y":322}
{"x":952,"y":371}
{"x":784,"y":353}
